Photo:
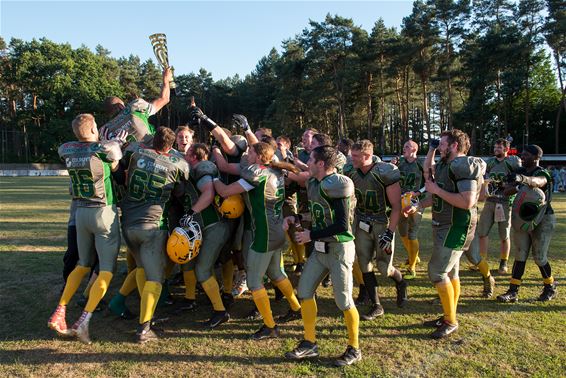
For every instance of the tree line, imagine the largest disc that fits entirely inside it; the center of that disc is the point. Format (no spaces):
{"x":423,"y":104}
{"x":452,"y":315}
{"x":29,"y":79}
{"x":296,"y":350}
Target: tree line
{"x":493,"y":68}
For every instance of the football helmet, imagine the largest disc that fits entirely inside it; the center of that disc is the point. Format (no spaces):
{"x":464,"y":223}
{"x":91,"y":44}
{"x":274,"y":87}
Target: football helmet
{"x":184,"y":242}
{"x":231,"y":207}
{"x":529,"y":207}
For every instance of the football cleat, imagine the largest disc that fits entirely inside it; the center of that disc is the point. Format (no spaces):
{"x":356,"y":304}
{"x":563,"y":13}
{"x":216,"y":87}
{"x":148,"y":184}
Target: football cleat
{"x":289,"y":316}
{"x":349,"y":357}
{"x":188,"y":304}
{"x":57,"y":321}
{"x":410,"y":274}
{"x":217,"y":318}
{"x":435,"y":323}
{"x":305,"y":349}
{"x":511,"y":296}
{"x":254,"y":315}
{"x":362,"y":298}
{"x":117,"y":306}
{"x":80,"y":328}
{"x":266,"y":333}
{"x":144,"y":333}
{"x":299,"y":268}
{"x":488,"y":287}
{"x":445,"y":330}
{"x":227,"y":300}
{"x":375,"y":310}
{"x":548,"y":292}
{"x":503,"y":267}
{"x":402,"y":297}
{"x":240,"y":284}
{"x":326,"y":282}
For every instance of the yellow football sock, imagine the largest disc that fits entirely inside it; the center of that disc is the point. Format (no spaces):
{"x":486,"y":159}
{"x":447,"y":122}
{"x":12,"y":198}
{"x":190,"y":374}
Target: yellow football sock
{"x":212,"y":290}
{"x":413,"y":252}
{"x":190,"y":279}
{"x":514,"y":281}
{"x":405,"y":241}
{"x":357,"y":272}
{"x":308,"y":313}
{"x":287,"y":290}
{"x":352,"y":318}
{"x":91,"y":280}
{"x":149,"y":298}
{"x":140,"y":279}
{"x":456,"y":286}
{"x":483,"y":267}
{"x":98,"y":290}
{"x":130,"y":261}
{"x":129,"y":284}
{"x":228,"y":276}
{"x":446,"y":294}
{"x":72,"y":284}
{"x":548,"y":281}
{"x":261,"y":301}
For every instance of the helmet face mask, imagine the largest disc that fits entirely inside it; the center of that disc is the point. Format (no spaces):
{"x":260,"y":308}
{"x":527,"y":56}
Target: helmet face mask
{"x":184,"y":243}
{"x":529,"y":208}
{"x":231,"y":207}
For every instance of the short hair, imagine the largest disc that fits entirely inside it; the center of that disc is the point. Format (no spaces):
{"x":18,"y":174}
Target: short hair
{"x":163,"y":139}
{"x":184,"y":128}
{"x":265,"y":131}
{"x":265,"y":151}
{"x":504,"y":142}
{"x":82,"y":124}
{"x":269,"y":140}
{"x":284,"y":138}
{"x":413,"y":143}
{"x":534,"y":150}
{"x":327,"y":154}
{"x":456,"y":135}
{"x":323,"y":139}
{"x":311,"y":129}
{"x":363,"y":145}
{"x":200,"y":151}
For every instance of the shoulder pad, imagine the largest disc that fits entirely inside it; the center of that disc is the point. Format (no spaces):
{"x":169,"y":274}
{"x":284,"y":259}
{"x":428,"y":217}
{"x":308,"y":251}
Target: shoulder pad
{"x":348,"y":169}
{"x":204,"y":168}
{"x":514,"y":162}
{"x":176,"y":153}
{"x":111,"y":149}
{"x":244,"y":163}
{"x":375,"y":159}
{"x":387,"y":172}
{"x":466,"y":168}
{"x":341,"y":161}
{"x":139,"y":105}
{"x":337,"y":186}
{"x":240,"y":142}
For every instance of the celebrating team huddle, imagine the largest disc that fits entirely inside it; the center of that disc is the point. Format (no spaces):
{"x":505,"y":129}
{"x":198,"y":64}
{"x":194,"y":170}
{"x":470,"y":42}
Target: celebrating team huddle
{"x":242,"y":201}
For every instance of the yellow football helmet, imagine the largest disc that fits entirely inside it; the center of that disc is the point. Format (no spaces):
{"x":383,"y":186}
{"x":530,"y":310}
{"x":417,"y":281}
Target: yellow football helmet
{"x":184,"y":242}
{"x":231,"y":207}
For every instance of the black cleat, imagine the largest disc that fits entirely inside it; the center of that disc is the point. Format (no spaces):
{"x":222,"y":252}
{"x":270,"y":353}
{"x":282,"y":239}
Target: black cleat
{"x":187,"y":305}
{"x":548,"y":293}
{"x":349,"y":357}
{"x":511,"y":296}
{"x":374,"y":311}
{"x":488,"y":287}
{"x":265,"y":333}
{"x":326,"y":282}
{"x":445,"y":330}
{"x":227,"y":300}
{"x":402,"y":297}
{"x":217,"y":318}
{"x":254,"y":315}
{"x":435,"y":323}
{"x":305,"y":349}
{"x":144,"y":333}
{"x":362,"y":298}
{"x":289,"y":316}
{"x":299,"y":268}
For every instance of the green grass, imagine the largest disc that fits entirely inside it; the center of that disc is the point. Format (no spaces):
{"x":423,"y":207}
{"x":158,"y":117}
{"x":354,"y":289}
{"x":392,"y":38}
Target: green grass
{"x":524,"y":339}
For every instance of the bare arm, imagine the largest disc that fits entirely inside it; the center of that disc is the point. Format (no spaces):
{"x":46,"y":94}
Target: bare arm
{"x":223,"y":165}
{"x":228,"y":190}
{"x":394,"y":196}
{"x":163,"y":99}
{"x":429,"y":163}
{"x":228,"y":146}
{"x":205,"y":199}
{"x":463,"y":200}
{"x":299,"y":178}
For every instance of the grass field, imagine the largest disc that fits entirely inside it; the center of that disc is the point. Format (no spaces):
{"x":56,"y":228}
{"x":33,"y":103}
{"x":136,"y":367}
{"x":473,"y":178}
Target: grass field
{"x":524,"y":339}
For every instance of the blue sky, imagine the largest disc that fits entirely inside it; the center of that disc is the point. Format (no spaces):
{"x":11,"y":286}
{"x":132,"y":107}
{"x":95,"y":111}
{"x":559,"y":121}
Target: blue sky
{"x":224,"y":37}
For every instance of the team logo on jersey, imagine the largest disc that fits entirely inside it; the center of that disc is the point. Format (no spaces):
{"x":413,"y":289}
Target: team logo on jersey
{"x":95,"y":147}
{"x":173,"y":159}
{"x":68,"y":162}
{"x":141,"y":163}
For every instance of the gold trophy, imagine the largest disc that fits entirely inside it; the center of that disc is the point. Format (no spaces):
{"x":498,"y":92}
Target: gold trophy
{"x":159,"y":44}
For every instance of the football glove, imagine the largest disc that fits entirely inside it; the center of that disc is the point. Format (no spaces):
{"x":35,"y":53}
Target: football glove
{"x":241,"y":121}
{"x":385,"y":241}
{"x":513,"y":178}
{"x":198,"y":117}
{"x":433,"y":143}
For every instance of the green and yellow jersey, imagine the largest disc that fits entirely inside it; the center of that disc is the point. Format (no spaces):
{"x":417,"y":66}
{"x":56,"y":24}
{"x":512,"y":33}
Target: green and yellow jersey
{"x":90,"y":166}
{"x":412,"y":178}
{"x":152,"y":178}
{"x":265,"y":202}
{"x":134,"y":118}
{"x":370,"y":189}
{"x":321,"y":194}
{"x":496,"y":172}
{"x":201,"y":174}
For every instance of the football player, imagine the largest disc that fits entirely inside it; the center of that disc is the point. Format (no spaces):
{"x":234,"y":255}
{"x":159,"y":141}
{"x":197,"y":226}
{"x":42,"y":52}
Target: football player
{"x":497,"y":208}
{"x":533,"y":227}
{"x":377,"y":191}
{"x":264,"y":186}
{"x":453,"y":196}
{"x":89,"y":163}
{"x":412,"y":179}
{"x":332,"y":200}
{"x":153,"y":175}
